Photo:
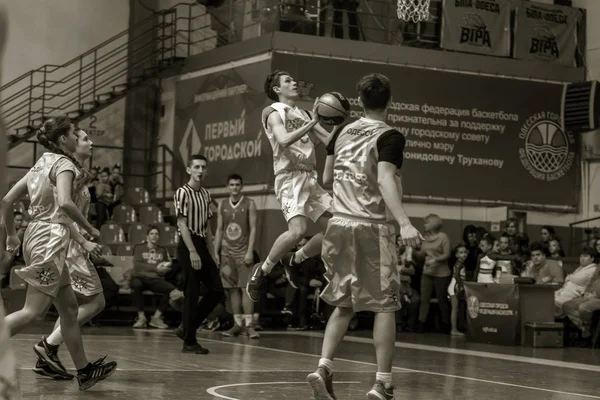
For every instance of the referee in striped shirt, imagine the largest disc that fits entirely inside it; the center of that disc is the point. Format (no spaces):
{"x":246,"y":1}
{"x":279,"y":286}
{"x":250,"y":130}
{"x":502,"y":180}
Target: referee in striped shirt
{"x":192,"y":204}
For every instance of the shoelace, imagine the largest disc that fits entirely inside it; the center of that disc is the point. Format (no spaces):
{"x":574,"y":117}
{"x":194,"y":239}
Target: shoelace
{"x":99,"y":362}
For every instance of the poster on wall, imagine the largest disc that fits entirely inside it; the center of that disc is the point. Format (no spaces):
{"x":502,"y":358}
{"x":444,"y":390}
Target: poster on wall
{"x":481,"y":27}
{"x":218,"y":114}
{"x":545,"y":32}
{"x":468,"y":137}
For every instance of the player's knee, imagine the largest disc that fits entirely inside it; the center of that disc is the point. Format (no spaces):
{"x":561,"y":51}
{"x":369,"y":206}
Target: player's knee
{"x":30,"y":314}
{"x":99,"y":302}
{"x":297,"y":231}
{"x":68,"y":314}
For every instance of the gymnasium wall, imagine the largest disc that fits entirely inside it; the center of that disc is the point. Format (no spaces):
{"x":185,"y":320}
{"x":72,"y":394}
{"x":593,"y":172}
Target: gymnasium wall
{"x":54,"y":32}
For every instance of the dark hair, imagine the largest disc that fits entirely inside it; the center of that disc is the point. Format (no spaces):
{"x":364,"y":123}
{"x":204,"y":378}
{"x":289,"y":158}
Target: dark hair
{"x":590,"y":251}
{"x":196,"y":157}
{"x":539,"y":246}
{"x":151,"y":228}
{"x":460,"y":246}
{"x":374,"y":91}
{"x":550,"y":230}
{"x":17,"y":213}
{"x":489,"y":239}
{"x":505,"y":235}
{"x":117,"y":166}
{"x":512,"y":221}
{"x":273,"y":79}
{"x":51,"y":131}
{"x":235,"y":177}
{"x":104,"y":171}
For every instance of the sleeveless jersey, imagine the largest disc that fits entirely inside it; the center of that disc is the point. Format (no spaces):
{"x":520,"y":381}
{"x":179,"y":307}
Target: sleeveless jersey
{"x":41,"y":185}
{"x":299,"y":155}
{"x":486,"y":270}
{"x":355,"y":189}
{"x":236,"y":226}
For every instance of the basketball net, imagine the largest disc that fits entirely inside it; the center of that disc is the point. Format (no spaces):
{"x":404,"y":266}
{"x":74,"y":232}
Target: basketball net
{"x":413,"y":10}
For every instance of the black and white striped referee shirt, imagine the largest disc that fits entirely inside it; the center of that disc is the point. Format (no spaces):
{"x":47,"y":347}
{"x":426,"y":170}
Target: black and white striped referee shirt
{"x":195,"y":206}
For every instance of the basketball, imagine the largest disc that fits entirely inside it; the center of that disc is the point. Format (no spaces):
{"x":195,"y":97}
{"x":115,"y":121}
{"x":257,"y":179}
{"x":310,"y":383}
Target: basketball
{"x":333,"y":108}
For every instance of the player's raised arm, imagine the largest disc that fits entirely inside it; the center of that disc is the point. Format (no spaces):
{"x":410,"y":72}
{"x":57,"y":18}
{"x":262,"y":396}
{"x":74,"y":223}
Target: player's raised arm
{"x":283,"y":137}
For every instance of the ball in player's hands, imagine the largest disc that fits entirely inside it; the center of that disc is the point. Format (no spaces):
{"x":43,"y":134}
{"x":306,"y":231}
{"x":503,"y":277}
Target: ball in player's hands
{"x":333,"y":108}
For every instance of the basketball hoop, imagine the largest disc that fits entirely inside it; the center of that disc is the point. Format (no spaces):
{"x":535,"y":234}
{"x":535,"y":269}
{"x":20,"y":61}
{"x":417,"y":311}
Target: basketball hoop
{"x":413,"y":10}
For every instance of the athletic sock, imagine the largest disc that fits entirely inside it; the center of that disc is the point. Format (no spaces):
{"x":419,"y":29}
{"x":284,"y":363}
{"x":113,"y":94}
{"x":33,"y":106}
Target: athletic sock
{"x":327,"y":364}
{"x":248,"y":319}
{"x":300,"y":256}
{"x":51,"y":346}
{"x":267,"y":266}
{"x":239,"y":321}
{"x":385,"y":378}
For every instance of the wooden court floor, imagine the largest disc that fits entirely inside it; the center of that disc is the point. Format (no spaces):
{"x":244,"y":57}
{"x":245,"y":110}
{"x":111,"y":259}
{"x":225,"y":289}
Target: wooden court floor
{"x":427,"y":367}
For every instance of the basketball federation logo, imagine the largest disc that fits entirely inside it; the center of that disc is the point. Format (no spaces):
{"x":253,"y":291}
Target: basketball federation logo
{"x":473,"y":307}
{"x":546,"y":153}
{"x":233,"y":231}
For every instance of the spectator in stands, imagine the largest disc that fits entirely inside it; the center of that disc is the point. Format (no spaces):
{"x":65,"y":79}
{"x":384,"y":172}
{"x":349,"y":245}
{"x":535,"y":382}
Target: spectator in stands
{"x":104,"y":197}
{"x":436,"y":273}
{"x":505,"y":272}
{"x":472,"y":244}
{"x":94,"y":171}
{"x":514,"y":235}
{"x":547,"y":233}
{"x":456,"y":289}
{"x":487,"y":267}
{"x":581,"y":309}
{"x":410,"y":264}
{"x":556,"y":251}
{"x":597,"y":245}
{"x":541,"y":268}
{"x":576,"y":282}
{"x":18,"y":216}
{"x":150,"y":263}
{"x":116,"y":185}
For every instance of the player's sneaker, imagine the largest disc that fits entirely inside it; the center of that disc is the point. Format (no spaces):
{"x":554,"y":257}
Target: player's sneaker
{"x":235,"y":331}
{"x":379,"y":392}
{"x":257,"y":283}
{"x":158,"y":322}
{"x":321,"y":382}
{"x":49,"y":354}
{"x":140,"y":323}
{"x":41,"y":368}
{"x":292,"y":270}
{"x":251,"y":332}
{"x":194,"y":349}
{"x":95,"y":373}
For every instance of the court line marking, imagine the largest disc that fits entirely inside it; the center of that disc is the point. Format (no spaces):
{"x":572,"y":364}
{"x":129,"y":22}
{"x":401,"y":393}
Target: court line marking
{"x":210,"y":370}
{"x":410,"y":370}
{"x":213,"y":390}
{"x":475,"y":353}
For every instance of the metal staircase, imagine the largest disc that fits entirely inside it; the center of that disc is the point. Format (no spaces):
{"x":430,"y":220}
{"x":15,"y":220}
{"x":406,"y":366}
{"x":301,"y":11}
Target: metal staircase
{"x":99,"y":77}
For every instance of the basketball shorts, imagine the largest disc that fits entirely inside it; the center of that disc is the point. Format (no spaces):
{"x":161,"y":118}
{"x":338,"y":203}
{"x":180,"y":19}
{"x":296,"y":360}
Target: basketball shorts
{"x":299,"y":193}
{"x":84,"y":277}
{"x":8,"y":375}
{"x":45,"y":250}
{"x":234,"y":271}
{"x":360,"y":259}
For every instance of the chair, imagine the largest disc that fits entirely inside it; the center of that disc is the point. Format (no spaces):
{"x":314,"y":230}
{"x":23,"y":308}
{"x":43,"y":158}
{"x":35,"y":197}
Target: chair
{"x":124,"y":214}
{"x":137,"y":196}
{"x":137,"y":233}
{"x":125,"y":250}
{"x":111,"y":233}
{"x":168,"y":236}
{"x":151,"y":215}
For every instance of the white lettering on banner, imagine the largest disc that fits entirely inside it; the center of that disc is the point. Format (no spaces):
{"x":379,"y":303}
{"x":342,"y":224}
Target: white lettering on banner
{"x":480,"y":126}
{"x":396,"y":118}
{"x":475,"y":137}
{"x":428,"y":157}
{"x":445,"y":111}
{"x":489,"y":329}
{"x":485,"y":162}
{"x":220,"y":93}
{"x":434,"y":134}
{"x":495,"y":115}
{"x":224,"y":129}
{"x":446,"y":147}
{"x":234,"y":151}
{"x":419,"y":144}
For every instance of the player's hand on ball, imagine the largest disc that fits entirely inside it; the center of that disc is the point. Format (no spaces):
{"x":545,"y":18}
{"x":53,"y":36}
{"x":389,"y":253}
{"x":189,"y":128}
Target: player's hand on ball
{"x":410,"y":235}
{"x":12,"y":243}
{"x":315,"y":116}
{"x":249,"y":258}
{"x":92,"y":248}
{"x":195,"y":260}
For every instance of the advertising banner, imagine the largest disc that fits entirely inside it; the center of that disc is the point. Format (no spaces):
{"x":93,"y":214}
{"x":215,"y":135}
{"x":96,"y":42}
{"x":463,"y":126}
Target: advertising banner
{"x":218,"y":114}
{"x":468,"y":137}
{"x":545,"y":32}
{"x":492,"y":313}
{"x":477,"y":26}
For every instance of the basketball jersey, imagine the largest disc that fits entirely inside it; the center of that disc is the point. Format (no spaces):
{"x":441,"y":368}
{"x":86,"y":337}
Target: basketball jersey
{"x":355,"y":189}
{"x":236,"y":226}
{"x":41,"y":185}
{"x":299,"y":155}
{"x":486,"y":270}
{"x":81,"y":194}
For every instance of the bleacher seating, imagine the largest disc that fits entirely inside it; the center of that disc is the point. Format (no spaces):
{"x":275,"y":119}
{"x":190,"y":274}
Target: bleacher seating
{"x":137,"y":233}
{"x":124,"y":214}
{"x":137,"y":196}
{"x":151,"y":215}
{"x":112,"y":235}
{"x":125,"y":250}
{"x":169,"y":239}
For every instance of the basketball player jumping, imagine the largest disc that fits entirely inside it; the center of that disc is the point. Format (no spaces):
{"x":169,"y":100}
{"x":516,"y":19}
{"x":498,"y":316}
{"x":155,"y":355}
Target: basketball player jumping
{"x":292,"y":133}
{"x":85,"y":281}
{"x":359,"y":249}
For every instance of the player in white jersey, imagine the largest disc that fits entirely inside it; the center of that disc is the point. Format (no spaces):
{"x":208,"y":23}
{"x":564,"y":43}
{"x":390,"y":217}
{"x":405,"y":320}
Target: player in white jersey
{"x":85,"y":281}
{"x":359,"y":247}
{"x":53,"y":213}
{"x":293,"y":133}
{"x":8,"y":373}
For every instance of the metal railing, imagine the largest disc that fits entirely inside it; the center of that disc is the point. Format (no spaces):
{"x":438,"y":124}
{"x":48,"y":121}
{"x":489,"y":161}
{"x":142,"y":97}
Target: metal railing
{"x":585,"y":234}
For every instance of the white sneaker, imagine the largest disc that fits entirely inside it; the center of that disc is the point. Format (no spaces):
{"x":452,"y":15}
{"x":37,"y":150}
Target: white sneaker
{"x":140,"y":323}
{"x":157,"y":322}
